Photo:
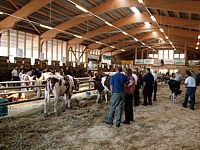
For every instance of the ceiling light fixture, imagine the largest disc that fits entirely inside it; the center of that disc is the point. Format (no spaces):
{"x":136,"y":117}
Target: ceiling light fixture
{"x":44,"y":26}
{"x":78,"y":36}
{"x":125,"y":33}
{"x":140,"y":1}
{"x":196,"y":48}
{"x":161,"y":30}
{"x":153,"y":18}
{"x":81,"y":8}
{"x":98,"y":42}
{"x":1,"y":13}
{"x":146,"y":23}
{"x":135,"y":10}
{"x":199,"y":37}
{"x":108,"y":23}
{"x":167,"y":37}
{"x":112,"y":46}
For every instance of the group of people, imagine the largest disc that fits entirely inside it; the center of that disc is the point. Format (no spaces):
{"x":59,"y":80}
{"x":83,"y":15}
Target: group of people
{"x":125,"y":88}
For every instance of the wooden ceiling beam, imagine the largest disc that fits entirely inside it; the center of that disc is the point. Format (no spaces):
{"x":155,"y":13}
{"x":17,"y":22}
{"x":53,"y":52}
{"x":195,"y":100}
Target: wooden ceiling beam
{"x":119,"y":36}
{"x":23,"y":12}
{"x":147,"y":28}
{"x":178,"y":22}
{"x":141,"y":18}
{"x":153,"y":35}
{"x":187,"y":6}
{"x":121,"y":22}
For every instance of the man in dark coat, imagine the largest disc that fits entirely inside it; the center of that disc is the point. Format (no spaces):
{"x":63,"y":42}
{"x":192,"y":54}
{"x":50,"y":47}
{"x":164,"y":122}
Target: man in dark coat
{"x":148,"y":83}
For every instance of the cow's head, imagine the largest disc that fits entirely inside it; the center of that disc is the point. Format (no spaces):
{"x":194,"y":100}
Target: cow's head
{"x":76,"y":84}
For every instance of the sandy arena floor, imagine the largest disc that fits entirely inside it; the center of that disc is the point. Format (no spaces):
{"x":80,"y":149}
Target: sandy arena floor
{"x":163,"y":125}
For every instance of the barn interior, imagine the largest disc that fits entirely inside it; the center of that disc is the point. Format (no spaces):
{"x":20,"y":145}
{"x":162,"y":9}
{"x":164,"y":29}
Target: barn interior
{"x":97,"y":36}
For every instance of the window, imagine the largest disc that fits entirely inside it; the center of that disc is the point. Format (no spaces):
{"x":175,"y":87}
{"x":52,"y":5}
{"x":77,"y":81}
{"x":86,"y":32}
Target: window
{"x":70,"y":56}
{"x":54,"y":49}
{"x":44,"y":47}
{"x":176,"y":55}
{"x":160,"y":54}
{"x":155,"y":55}
{"x":64,"y":51}
{"x":171,"y":54}
{"x":182,"y":55}
{"x":35,"y":46}
{"x":4,"y":44}
{"x":150,"y":55}
{"x":28,"y":45}
{"x":13,"y":42}
{"x":49,"y":52}
{"x":21,"y":40}
{"x":166,"y":54}
{"x":163,"y":71}
{"x":59,"y":50}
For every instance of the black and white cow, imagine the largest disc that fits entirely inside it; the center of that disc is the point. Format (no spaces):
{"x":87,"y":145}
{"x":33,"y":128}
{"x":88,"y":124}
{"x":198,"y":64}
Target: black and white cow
{"x":175,"y":89}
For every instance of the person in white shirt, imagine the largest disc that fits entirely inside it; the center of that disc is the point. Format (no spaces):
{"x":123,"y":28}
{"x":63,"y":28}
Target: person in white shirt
{"x":155,"y":76}
{"x":191,"y":88}
{"x":179,"y":76}
{"x":15,"y":76}
{"x":136,"y":92}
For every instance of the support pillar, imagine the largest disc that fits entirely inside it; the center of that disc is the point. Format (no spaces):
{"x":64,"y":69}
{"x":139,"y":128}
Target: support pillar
{"x":136,"y":53}
{"x":186,"y":56}
{"x":142,"y":54}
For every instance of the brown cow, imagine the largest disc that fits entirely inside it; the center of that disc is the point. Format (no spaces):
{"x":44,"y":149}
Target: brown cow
{"x":59,"y":86}
{"x":102,"y":84}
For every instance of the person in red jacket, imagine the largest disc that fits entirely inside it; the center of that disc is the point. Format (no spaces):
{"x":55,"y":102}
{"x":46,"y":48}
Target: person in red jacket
{"x":129,"y":92}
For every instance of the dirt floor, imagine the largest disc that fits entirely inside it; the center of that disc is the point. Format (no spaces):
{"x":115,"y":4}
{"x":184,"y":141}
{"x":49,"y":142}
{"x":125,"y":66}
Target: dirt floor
{"x":163,"y":125}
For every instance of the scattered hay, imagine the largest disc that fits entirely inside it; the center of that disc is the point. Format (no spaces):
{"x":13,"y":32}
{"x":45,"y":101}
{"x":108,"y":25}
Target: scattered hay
{"x":163,"y":125}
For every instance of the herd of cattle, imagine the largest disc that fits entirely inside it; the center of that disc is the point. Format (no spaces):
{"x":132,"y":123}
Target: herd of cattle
{"x":60,"y":85}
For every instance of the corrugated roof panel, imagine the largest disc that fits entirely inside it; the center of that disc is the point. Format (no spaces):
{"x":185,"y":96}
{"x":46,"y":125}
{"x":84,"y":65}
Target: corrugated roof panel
{"x":195,"y":17}
{"x":184,"y":15}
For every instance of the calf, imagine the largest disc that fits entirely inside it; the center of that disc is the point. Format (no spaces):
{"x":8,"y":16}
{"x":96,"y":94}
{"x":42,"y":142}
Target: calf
{"x":102,"y":85}
{"x":59,"y":86}
{"x":175,"y":89}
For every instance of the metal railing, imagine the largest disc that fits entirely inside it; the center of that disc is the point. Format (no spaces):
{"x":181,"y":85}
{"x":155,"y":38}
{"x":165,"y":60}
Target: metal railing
{"x":32,"y":86}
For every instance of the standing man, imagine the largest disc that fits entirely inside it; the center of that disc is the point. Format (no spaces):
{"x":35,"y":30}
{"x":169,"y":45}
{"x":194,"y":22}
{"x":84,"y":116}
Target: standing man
{"x":117,"y":83}
{"x":137,"y":88}
{"x":179,"y":76}
{"x":129,"y":91}
{"x":15,"y":75}
{"x":148,"y":82}
{"x":155,"y":76}
{"x":191,"y":88}
{"x":136,"y":91}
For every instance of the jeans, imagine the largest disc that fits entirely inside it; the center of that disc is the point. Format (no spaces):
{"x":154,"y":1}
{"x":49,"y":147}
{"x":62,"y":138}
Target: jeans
{"x":190,"y":92}
{"x":117,"y":100}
